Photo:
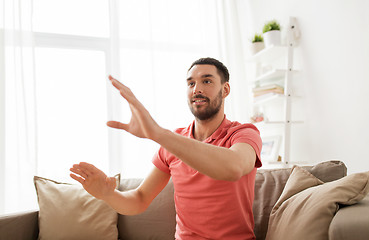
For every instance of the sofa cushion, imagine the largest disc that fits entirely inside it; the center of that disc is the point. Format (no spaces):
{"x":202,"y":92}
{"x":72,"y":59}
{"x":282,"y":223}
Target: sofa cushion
{"x":269,"y":184}
{"x":157,"y":222}
{"x":307,"y":205}
{"x":19,"y":226}
{"x":351,"y":222}
{"x":67,"y":211}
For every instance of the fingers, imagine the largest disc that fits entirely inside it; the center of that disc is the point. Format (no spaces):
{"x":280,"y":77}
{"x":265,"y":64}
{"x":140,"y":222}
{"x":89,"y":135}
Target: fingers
{"x":75,"y":169}
{"x":79,"y":179}
{"x":82,"y":171}
{"x":123,"y":89}
{"x":118,"y":125}
{"x":89,"y":168}
{"x":111,"y":78}
{"x":118,"y":85}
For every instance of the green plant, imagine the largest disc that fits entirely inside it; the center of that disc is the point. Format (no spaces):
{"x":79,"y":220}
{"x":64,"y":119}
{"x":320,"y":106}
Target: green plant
{"x":271,"y":25}
{"x":257,"y":38}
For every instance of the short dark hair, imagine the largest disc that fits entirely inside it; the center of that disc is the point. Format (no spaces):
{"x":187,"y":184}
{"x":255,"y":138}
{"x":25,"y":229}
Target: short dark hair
{"x":221,"y":68}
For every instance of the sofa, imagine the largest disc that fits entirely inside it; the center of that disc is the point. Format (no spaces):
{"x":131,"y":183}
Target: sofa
{"x":349,"y":221}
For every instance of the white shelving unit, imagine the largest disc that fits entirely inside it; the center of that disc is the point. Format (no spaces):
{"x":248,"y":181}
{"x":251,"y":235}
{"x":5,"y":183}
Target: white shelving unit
{"x":267,"y":72}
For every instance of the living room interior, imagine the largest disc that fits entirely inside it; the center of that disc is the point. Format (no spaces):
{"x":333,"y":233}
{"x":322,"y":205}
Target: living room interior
{"x":54,"y":108}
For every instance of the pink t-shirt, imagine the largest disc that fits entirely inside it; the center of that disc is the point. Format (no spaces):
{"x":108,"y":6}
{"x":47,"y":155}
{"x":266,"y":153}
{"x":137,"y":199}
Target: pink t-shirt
{"x":208,"y":208}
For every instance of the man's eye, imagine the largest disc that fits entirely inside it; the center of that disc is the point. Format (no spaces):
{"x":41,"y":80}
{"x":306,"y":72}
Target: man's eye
{"x":207,"y":81}
{"x":191,"y":84}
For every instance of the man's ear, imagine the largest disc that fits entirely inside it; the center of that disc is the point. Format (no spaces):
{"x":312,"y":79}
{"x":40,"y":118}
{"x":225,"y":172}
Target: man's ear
{"x":226,"y":89}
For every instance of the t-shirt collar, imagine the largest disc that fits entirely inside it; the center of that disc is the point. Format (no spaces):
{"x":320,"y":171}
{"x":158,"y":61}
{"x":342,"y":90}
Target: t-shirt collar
{"x":216,"y":134}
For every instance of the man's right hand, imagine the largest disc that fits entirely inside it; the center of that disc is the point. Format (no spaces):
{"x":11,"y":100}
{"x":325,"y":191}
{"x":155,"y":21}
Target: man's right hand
{"x":141,"y":124}
{"x":93,"y":180}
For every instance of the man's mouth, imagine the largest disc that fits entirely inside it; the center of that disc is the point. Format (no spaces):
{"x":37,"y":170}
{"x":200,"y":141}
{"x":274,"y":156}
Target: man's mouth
{"x":198,"y":100}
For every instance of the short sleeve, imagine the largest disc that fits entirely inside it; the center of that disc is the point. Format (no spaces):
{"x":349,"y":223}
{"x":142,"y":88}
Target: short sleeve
{"x":159,"y":161}
{"x":250,"y":136}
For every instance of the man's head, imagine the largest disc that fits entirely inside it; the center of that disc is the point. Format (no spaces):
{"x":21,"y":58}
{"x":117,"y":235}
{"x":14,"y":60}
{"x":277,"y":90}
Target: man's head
{"x":221,"y":68}
{"x":207,"y":81}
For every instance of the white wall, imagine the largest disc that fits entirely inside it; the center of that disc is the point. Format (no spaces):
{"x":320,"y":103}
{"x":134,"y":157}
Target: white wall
{"x":334,"y":57}
{"x":2,"y":121}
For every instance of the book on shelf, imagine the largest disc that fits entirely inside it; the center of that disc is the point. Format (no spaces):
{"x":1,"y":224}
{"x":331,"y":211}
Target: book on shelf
{"x":277,"y":91}
{"x":266,"y":96}
{"x":267,"y":89}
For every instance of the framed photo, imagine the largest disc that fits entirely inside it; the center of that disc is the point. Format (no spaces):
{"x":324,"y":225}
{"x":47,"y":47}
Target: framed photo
{"x":270,"y":148}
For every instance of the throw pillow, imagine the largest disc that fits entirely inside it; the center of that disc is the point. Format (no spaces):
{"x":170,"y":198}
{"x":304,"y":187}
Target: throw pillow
{"x":67,"y":211}
{"x":269,"y":185}
{"x":307,"y":205}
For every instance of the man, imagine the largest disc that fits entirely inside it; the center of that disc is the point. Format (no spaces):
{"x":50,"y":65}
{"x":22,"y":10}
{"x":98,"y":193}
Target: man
{"x":212,"y":162}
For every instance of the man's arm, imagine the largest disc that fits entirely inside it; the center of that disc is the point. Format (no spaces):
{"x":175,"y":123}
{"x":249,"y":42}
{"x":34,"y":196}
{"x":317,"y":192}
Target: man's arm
{"x":132,"y":202}
{"x":213,"y":161}
{"x":216,"y":162}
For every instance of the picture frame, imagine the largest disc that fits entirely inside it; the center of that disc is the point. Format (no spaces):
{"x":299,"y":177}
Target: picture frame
{"x":270,"y":148}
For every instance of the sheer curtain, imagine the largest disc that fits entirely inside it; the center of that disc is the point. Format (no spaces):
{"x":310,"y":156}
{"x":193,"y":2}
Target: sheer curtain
{"x":20,"y":139}
{"x":157,"y":42}
{"x":54,"y":84}
{"x":56,"y":95}
{"x":155,"y":53}
{"x":233,"y":29}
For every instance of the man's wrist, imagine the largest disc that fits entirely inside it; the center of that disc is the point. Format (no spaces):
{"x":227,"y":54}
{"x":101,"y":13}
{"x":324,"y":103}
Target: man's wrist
{"x":110,"y":196}
{"x":160,"y":134}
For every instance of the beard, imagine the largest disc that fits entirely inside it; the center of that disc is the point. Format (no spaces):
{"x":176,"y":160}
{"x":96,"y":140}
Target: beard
{"x":210,"y":111}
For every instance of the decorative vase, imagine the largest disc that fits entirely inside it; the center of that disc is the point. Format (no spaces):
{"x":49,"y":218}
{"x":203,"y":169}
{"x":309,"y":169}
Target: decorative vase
{"x":272,"y":38}
{"x":256,"y":47}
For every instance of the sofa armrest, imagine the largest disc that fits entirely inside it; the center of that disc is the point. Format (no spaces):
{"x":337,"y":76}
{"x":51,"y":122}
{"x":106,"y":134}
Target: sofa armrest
{"x":19,"y":226}
{"x":351,"y":222}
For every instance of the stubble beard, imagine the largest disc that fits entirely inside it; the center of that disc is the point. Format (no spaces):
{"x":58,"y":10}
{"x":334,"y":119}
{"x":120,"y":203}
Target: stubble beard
{"x":211,"y":111}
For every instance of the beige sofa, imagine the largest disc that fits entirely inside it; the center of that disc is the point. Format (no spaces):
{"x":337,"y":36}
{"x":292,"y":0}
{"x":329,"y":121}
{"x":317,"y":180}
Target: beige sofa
{"x":158,"y":222}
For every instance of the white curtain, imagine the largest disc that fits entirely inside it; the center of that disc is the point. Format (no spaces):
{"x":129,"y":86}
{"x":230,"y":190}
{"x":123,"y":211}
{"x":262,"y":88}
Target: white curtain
{"x":20,"y":150}
{"x":233,"y":46}
{"x":158,"y":40}
{"x":150,"y":47}
{"x":154,"y":43}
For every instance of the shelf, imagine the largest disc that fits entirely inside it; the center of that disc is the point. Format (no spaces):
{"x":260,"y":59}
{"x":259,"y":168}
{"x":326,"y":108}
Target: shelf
{"x":272,"y":97}
{"x":274,"y":65}
{"x":300,"y":163}
{"x":276,"y":73}
{"x":274,"y":162}
{"x":287,"y":164}
{"x":272,"y":75}
{"x":267,"y":98}
{"x":269,"y":54}
{"x":266,"y":122}
{"x":282,"y":122}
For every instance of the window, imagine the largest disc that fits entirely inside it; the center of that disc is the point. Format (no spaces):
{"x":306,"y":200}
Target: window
{"x":147,"y":45}
{"x":71,"y":110}
{"x":79,"y":18}
{"x":71,"y":86}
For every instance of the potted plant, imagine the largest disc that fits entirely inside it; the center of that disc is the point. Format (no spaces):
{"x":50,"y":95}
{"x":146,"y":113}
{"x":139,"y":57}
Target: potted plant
{"x":257,"y":43}
{"x":272,"y":33}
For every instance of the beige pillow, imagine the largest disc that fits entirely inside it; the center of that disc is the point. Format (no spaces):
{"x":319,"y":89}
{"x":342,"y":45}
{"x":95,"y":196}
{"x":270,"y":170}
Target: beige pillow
{"x":307,"y":205}
{"x":67,"y":211}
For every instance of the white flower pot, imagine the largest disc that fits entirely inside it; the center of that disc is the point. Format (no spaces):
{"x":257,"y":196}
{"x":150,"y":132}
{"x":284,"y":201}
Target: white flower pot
{"x":272,"y":38}
{"x":256,"y":47}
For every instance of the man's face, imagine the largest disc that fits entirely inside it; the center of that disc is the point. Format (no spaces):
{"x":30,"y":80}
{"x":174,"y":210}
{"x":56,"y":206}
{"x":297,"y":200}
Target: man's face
{"x":205,"y":91}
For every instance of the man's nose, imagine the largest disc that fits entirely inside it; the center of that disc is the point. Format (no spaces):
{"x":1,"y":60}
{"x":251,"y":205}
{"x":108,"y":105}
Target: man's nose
{"x":197,"y":89}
